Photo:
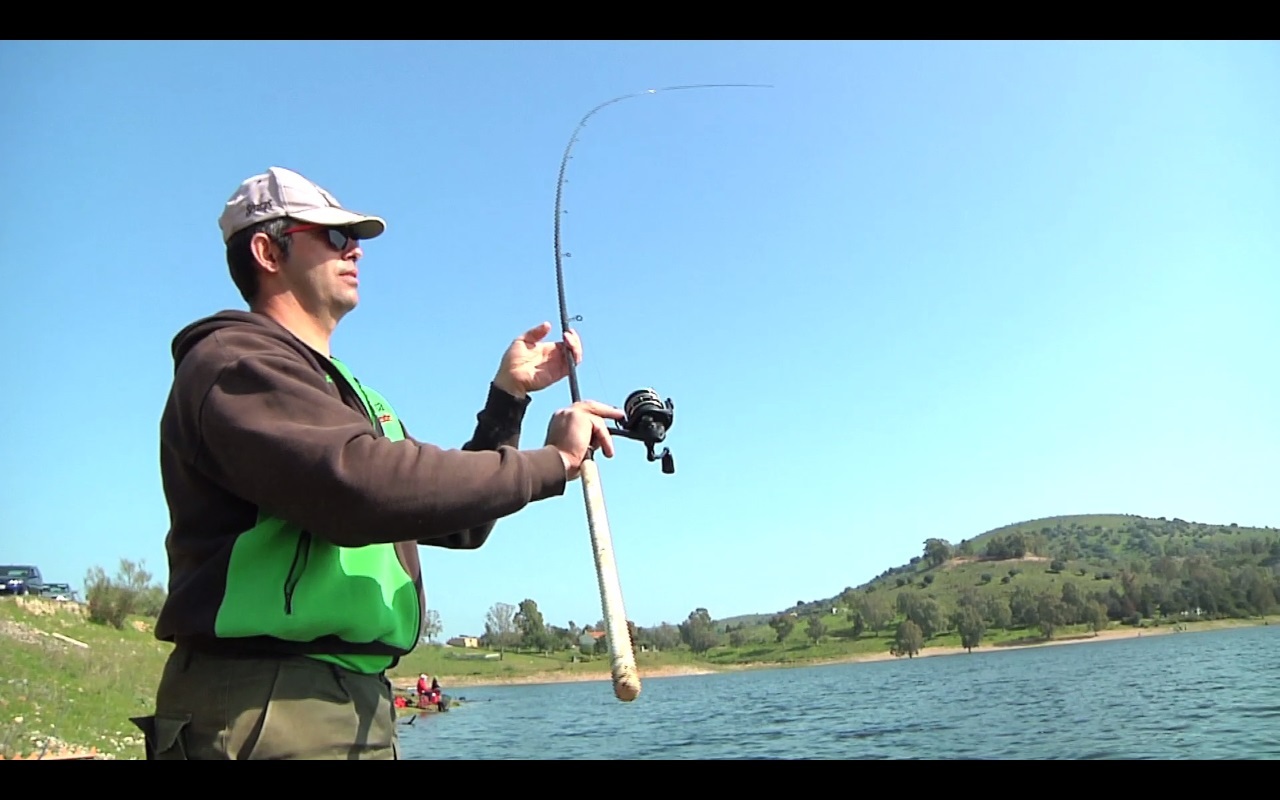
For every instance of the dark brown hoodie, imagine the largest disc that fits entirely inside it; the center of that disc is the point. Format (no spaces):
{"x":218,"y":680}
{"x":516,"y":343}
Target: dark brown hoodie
{"x":294,"y":511}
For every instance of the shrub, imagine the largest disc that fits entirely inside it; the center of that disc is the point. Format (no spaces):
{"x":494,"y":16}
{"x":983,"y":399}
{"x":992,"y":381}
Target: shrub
{"x":131,"y":592}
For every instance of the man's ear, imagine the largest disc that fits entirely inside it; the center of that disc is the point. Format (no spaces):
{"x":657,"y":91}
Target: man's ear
{"x":266,"y":253}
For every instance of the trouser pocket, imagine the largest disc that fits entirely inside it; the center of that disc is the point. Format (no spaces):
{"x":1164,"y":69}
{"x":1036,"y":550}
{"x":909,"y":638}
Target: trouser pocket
{"x":164,"y":736}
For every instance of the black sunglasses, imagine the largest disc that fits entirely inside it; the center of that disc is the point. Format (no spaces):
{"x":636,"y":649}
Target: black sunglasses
{"x":339,"y":238}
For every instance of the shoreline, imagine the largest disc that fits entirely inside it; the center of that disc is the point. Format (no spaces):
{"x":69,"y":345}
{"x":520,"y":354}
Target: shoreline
{"x":683,"y":670}
{"x":544,"y":678}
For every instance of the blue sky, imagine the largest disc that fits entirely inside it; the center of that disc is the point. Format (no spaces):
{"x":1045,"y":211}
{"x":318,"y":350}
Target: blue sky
{"x":915,"y":289}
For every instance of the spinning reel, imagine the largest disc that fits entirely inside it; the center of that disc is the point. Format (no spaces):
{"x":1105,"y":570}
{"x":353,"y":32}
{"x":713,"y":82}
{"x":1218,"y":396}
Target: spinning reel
{"x":648,"y":419}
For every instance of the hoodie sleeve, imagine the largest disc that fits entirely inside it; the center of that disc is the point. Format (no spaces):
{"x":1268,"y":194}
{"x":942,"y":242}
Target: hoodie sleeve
{"x":497,"y":425}
{"x":271,"y":431}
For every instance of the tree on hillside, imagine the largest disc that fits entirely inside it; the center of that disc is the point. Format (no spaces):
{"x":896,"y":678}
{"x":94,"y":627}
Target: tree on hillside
{"x":1010,"y":545}
{"x":816,"y":629}
{"x":937,"y":551}
{"x":908,"y":640}
{"x":1069,"y":550}
{"x":1130,"y":588}
{"x":1037,"y":544}
{"x":1023,"y":607}
{"x":1155,"y":598}
{"x":1049,"y":613}
{"x":1273,"y":554}
{"x":859,"y":625}
{"x":1166,"y":568}
{"x":698,"y":631}
{"x":1094,"y":615}
{"x":1255,"y":589}
{"x":995,"y":610}
{"x":665,"y":637}
{"x":532,"y":629}
{"x":875,"y":612}
{"x":927,"y":615}
{"x":971,"y":626}
{"x":782,"y":625}
{"x":431,"y":625}
{"x":1072,"y":603}
{"x":500,"y":629}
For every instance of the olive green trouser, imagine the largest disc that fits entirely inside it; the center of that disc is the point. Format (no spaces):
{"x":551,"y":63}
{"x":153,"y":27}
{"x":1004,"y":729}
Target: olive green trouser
{"x":213,"y":707}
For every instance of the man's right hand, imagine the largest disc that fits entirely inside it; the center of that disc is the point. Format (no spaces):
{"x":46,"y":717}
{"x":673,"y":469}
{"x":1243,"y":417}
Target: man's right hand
{"x":576,"y":430}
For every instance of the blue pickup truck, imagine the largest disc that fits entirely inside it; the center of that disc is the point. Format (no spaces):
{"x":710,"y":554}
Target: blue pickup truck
{"x":21,"y":580}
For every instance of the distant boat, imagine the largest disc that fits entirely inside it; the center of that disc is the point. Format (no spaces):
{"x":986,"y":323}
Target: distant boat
{"x":407,"y":703}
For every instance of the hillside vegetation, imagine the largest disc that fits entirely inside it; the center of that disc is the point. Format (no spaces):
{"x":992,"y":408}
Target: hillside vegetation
{"x":1030,"y":581}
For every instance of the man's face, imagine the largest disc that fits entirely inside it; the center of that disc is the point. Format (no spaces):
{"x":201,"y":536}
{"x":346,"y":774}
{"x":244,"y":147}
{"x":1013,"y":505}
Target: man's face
{"x":321,"y":270}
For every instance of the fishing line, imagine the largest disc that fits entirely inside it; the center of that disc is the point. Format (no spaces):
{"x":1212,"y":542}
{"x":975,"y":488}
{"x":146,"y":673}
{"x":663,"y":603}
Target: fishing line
{"x":646,"y":418}
{"x":574,"y":390}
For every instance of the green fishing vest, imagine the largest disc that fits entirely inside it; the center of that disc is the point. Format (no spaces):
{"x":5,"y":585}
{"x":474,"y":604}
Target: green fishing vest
{"x":286,"y":583}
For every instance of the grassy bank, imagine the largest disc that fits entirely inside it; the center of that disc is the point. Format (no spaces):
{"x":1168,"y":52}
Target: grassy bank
{"x":56,"y":692}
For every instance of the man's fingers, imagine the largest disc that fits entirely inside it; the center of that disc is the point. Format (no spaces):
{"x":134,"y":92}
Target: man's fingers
{"x":601,"y":409}
{"x":575,"y":345}
{"x":536,"y":333}
{"x":601,"y":437}
{"x":571,"y":345}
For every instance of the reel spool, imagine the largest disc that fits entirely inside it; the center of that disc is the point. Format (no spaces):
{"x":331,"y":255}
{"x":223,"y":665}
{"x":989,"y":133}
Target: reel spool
{"x":648,"y":418}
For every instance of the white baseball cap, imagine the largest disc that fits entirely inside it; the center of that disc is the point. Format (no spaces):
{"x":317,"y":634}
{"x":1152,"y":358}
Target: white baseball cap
{"x":280,"y":192}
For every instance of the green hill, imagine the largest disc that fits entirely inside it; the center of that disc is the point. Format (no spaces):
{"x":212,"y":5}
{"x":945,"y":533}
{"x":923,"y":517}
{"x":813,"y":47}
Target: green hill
{"x":1023,"y":583}
{"x":1182,"y":565}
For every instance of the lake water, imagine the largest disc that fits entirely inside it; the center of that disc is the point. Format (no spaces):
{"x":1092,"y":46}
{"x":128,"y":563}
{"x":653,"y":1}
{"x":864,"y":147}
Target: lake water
{"x":1204,"y":695}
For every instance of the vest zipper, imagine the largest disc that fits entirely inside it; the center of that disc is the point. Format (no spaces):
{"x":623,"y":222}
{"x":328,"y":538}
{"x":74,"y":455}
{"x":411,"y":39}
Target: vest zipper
{"x":301,"y":553}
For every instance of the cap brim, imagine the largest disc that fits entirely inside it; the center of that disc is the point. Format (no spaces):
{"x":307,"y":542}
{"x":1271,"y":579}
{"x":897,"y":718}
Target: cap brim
{"x":364,"y":226}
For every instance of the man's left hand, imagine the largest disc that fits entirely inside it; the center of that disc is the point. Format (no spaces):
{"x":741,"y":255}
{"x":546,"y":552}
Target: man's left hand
{"x":530,"y":365}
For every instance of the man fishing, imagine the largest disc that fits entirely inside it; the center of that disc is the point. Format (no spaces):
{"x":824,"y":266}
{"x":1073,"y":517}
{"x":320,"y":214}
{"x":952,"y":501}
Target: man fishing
{"x":298,"y":498}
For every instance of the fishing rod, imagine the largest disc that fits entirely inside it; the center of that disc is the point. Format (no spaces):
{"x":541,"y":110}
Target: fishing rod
{"x":647,"y":419}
